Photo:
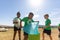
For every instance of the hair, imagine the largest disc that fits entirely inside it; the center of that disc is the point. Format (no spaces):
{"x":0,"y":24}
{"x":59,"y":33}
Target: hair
{"x":18,"y":13}
{"x":31,"y":14}
{"x":46,"y":15}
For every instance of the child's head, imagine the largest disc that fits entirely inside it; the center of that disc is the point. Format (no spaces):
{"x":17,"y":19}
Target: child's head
{"x":30,"y":15}
{"x":46,"y":16}
{"x":18,"y":14}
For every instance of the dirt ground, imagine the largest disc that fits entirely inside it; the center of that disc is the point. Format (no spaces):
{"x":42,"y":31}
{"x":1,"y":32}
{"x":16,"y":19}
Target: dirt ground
{"x":8,"y":35}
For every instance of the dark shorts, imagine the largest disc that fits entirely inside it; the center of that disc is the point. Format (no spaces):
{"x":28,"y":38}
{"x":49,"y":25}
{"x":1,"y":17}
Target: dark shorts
{"x":48,"y":32}
{"x":25,"y":33}
{"x":16,"y":29}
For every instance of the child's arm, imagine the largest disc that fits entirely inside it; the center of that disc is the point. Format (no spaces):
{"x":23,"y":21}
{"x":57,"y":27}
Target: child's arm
{"x":47,"y":26}
{"x":15,"y":22}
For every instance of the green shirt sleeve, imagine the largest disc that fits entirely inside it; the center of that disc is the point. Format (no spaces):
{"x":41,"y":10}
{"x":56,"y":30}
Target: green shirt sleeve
{"x":24,"y":19}
{"x":32,"y":20}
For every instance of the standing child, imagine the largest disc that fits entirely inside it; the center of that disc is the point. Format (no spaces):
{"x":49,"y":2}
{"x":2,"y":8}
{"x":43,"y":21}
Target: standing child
{"x":27,"y":21}
{"x":59,"y":31}
{"x":47,"y":28}
{"x":17,"y":27}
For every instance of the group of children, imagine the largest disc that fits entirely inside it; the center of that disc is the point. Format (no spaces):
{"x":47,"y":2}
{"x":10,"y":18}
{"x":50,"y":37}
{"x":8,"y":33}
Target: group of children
{"x":28,"y":20}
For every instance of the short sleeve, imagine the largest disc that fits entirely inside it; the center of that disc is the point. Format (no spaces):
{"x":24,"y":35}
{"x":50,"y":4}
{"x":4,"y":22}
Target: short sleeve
{"x":32,"y":20}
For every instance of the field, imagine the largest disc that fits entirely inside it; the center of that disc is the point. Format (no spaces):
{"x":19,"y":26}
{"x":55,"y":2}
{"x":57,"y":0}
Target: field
{"x":9,"y":34}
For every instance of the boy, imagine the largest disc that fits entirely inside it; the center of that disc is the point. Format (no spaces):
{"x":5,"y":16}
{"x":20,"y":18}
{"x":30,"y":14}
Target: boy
{"x":47,"y":28}
{"x":59,"y":30}
{"x":27,"y":21}
{"x":17,"y":27}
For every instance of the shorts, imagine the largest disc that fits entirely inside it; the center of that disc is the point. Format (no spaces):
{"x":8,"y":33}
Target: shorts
{"x":48,"y":32}
{"x":25,"y":33}
{"x":16,"y":29}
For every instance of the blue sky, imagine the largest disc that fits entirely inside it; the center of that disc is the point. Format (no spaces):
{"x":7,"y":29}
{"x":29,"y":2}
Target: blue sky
{"x":9,"y":8}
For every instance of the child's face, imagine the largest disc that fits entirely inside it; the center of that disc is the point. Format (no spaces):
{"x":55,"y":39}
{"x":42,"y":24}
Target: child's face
{"x":18,"y":15}
{"x":46,"y":17}
{"x":30,"y":16}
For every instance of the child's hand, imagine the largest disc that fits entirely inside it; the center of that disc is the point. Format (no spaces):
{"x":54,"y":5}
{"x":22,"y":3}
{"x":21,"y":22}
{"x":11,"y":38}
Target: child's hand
{"x":15,"y":22}
{"x":44,"y":27}
{"x":58,"y":27}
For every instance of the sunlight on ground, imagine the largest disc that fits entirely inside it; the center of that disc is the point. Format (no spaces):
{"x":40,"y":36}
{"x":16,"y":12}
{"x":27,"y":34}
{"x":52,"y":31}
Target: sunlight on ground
{"x":9,"y":35}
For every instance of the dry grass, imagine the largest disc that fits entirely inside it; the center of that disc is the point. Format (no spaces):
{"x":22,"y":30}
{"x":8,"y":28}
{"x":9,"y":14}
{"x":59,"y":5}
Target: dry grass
{"x":9,"y":35}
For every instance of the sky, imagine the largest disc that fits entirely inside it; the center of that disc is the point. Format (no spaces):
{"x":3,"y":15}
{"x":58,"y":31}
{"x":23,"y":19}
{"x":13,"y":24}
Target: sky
{"x":9,"y":8}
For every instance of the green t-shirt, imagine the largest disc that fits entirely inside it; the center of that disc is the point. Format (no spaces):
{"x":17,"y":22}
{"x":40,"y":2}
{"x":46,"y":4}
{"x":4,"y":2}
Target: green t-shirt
{"x":47,"y":22}
{"x":27,"y":20}
{"x":59,"y":25}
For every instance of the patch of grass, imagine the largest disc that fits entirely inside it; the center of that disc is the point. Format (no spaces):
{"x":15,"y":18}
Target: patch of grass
{"x":34,"y":37}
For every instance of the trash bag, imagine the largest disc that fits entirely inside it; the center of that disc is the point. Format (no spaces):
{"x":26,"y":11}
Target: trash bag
{"x":32,"y":28}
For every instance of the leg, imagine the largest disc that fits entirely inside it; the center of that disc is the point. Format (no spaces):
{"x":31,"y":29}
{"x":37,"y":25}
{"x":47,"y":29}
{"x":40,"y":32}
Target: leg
{"x":44,"y":31}
{"x":50,"y":37}
{"x":25,"y":36}
{"x":43,"y":35}
{"x":14,"y":35}
{"x":19,"y":34}
{"x":49,"y":33}
{"x":59,"y":35}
